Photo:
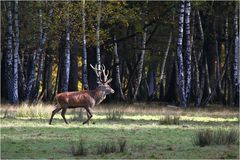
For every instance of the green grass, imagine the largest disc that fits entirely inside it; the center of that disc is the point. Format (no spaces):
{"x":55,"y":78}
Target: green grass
{"x":31,"y":137}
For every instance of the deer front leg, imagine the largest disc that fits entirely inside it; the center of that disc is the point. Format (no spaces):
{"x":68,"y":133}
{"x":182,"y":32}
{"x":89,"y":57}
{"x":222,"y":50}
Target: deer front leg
{"x":89,"y":114}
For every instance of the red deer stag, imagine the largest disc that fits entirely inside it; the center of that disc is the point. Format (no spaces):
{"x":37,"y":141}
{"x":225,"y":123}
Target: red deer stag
{"x":86,"y":99}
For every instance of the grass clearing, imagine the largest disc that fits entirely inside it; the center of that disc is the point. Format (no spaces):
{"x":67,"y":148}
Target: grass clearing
{"x":138,"y":133}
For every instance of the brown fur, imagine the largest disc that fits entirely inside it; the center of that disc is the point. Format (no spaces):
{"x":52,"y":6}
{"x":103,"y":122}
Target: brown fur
{"x":86,"y":99}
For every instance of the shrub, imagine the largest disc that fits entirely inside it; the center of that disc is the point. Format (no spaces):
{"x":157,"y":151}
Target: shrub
{"x":203,"y":138}
{"x":114,"y":115}
{"x":226,"y":137}
{"x":106,"y":147}
{"x":80,"y":149}
{"x":122,"y":144}
{"x":111,"y":146}
{"x":216,"y":137}
{"x":169,"y":120}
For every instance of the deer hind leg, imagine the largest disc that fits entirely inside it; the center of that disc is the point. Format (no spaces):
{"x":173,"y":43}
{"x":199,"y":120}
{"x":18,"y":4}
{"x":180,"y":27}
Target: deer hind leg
{"x":63,"y":115}
{"x":53,"y":113}
{"x":89,"y":115}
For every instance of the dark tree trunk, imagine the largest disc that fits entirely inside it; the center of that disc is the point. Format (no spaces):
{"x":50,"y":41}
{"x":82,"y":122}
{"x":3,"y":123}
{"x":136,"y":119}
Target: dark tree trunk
{"x":31,"y":77}
{"x":9,"y":66}
{"x":91,"y":59}
{"x":171,"y":90}
{"x":151,"y":81}
{"x":61,"y":52}
{"x":3,"y":75}
{"x":73,"y":77}
{"x":47,"y":79}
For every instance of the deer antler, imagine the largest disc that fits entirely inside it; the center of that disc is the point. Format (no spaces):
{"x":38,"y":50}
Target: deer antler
{"x":105,"y":74}
{"x":97,"y":71}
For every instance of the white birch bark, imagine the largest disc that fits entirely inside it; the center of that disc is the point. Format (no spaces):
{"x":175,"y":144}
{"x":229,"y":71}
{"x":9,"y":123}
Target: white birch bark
{"x":139,"y":67}
{"x":84,"y":67}
{"x":180,"y":71}
{"x":188,"y":57}
{"x":98,"y":55}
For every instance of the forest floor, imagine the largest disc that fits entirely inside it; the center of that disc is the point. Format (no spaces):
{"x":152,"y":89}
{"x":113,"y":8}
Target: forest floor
{"x":115,"y":131}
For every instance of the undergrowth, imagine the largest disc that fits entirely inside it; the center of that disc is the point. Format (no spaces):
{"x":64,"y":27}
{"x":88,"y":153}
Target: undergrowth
{"x":216,"y":137}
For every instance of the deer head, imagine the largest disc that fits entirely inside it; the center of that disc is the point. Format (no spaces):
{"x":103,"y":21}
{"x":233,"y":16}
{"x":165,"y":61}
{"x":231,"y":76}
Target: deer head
{"x":104,"y":83}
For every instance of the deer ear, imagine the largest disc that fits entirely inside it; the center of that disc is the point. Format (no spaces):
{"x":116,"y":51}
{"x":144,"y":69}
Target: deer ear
{"x":108,"y":81}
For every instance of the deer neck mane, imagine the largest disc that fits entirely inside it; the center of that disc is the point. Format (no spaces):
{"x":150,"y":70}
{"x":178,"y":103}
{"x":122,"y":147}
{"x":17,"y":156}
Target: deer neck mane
{"x":99,"y":95}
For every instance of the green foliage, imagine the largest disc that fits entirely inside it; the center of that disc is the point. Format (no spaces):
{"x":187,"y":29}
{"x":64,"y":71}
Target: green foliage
{"x":169,"y":120}
{"x":216,"y":137}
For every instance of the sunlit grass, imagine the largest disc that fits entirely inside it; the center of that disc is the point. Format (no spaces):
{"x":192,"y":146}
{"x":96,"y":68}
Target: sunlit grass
{"x":30,"y":136}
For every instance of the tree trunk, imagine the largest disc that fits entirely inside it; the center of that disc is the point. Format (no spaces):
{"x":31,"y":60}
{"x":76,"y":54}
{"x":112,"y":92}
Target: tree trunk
{"x":98,"y":55}
{"x":201,"y":35}
{"x":162,"y":77}
{"x":15,"y":54}
{"x":39,"y":57}
{"x":188,"y":57}
{"x":140,"y":65}
{"x":151,"y":81}
{"x":181,"y":80}
{"x":73,"y":76}
{"x":47,"y":79}
{"x":66,"y":59}
{"x":9,"y":66}
{"x":119,"y":91}
{"x":31,"y":77}
{"x":40,"y":53}
{"x":165,"y":57}
{"x":236,"y":79}
{"x":84,"y":55}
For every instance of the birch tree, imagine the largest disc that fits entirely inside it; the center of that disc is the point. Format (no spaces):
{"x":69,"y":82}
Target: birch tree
{"x":66,"y":57}
{"x":15,"y":53}
{"x":139,"y":67}
{"x":180,"y":72}
{"x":9,"y":66}
{"x":98,"y":55}
{"x":84,"y":55}
{"x":118,"y":79}
{"x":236,"y":74}
{"x":188,"y":50}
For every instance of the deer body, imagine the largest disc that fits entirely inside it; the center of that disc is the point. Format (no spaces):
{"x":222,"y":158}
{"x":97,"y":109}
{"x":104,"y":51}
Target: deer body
{"x":86,"y":99}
